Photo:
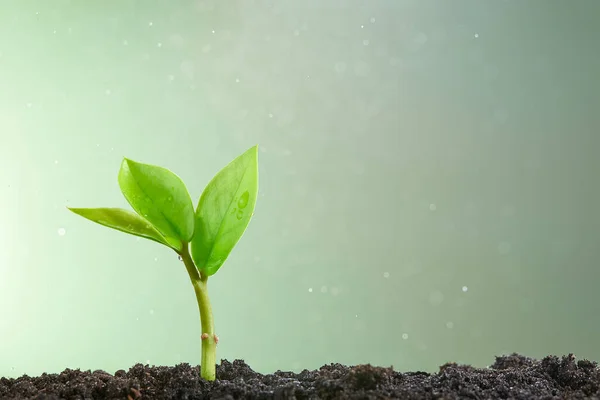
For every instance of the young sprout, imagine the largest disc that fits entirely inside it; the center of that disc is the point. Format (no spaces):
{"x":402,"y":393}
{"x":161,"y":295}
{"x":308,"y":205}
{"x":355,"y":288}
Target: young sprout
{"x":202,"y":238}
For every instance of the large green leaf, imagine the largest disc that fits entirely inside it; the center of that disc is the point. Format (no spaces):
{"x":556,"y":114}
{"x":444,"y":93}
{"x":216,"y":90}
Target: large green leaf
{"x":161,"y":197}
{"x":124,"y":221}
{"x":224,"y":211}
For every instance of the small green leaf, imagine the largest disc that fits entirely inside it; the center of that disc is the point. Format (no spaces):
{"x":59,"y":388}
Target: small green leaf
{"x":161,"y":197}
{"x":224,"y":211}
{"x":124,"y":221}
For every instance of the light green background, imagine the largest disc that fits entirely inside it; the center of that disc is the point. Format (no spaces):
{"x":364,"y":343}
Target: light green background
{"x":429,"y":179}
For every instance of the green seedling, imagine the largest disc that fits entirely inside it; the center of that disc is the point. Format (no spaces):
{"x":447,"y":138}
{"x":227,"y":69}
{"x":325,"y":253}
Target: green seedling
{"x":203,"y":238}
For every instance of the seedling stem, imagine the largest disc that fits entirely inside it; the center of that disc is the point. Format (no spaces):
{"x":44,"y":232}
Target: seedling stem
{"x":209,"y":345}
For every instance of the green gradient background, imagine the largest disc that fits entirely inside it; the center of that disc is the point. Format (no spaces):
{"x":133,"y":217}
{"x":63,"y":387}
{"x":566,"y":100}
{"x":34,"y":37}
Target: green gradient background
{"x":408,"y":150}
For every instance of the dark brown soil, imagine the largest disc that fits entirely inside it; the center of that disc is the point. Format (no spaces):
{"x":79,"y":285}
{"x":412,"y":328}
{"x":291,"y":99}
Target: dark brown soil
{"x":511,"y":377}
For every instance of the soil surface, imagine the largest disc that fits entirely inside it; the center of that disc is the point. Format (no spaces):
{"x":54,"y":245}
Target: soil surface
{"x":510,"y":377}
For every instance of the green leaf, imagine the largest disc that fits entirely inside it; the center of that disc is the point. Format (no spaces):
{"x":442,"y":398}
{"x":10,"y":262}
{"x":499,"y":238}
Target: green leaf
{"x":161,"y":197}
{"x":224,"y":211}
{"x":122,"y":220}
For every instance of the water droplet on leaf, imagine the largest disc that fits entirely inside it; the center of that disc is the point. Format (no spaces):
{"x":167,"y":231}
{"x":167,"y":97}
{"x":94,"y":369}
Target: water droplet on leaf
{"x":243,"y":200}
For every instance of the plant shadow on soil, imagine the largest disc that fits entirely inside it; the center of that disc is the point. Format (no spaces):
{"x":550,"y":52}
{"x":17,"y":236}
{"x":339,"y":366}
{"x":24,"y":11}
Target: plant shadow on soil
{"x":510,"y":377}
